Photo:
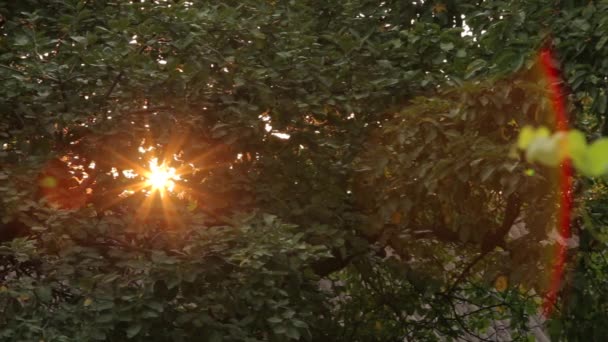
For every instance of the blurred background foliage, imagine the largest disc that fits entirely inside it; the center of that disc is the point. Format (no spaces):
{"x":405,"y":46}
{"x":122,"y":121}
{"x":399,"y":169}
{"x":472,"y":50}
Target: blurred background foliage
{"x":347,"y":170}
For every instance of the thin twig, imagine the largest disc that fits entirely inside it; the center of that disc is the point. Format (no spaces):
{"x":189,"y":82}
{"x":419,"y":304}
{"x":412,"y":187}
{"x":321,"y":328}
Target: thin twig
{"x":12,"y":69}
{"x":114,"y":84}
{"x":64,"y":98}
{"x":119,"y":77}
{"x":464,"y":327}
{"x":466,"y":271}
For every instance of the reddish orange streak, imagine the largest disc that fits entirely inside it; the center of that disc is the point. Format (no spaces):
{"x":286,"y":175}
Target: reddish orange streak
{"x":565,"y":181}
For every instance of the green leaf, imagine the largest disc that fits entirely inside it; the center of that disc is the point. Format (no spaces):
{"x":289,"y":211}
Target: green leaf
{"x":474,"y":67}
{"x":598,"y":157}
{"x":446,"y":46}
{"x":44,"y":293}
{"x":215,"y":336}
{"x":577,"y":149}
{"x":105,"y":318}
{"x":600,"y":44}
{"x":155,"y":305}
{"x":279,"y":329}
{"x":21,"y":40}
{"x":576,"y":142}
{"x":293,"y":333}
{"x":582,"y":24}
{"x":275,"y":319}
{"x":487,"y":172}
{"x":133,"y":330}
{"x":601,"y":103}
{"x":79,"y":39}
{"x":258,"y":34}
{"x":299,"y":324}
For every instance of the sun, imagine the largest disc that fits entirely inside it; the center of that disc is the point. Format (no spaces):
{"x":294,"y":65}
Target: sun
{"x":161,"y":178}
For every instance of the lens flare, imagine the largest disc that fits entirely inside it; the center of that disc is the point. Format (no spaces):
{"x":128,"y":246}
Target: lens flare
{"x":160,"y":177}
{"x":565,"y":181}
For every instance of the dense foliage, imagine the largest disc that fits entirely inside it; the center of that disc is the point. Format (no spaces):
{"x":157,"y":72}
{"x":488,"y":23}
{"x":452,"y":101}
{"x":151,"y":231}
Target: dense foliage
{"x":346,"y":170}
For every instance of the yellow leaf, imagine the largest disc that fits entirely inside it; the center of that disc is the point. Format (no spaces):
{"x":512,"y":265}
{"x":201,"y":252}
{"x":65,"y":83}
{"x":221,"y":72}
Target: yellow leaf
{"x":3,"y":289}
{"x":542,"y":132}
{"x":526,"y":135}
{"x":501,"y":283}
{"x":440,"y":8}
{"x":88,"y":302}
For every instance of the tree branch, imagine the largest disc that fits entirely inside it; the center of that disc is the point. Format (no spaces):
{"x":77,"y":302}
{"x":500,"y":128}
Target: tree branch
{"x":491,"y":241}
{"x":113,"y":86}
{"x":119,"y":77}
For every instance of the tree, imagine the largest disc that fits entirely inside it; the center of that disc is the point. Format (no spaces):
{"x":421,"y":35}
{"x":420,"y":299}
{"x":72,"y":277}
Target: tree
{"x":362,"y":145}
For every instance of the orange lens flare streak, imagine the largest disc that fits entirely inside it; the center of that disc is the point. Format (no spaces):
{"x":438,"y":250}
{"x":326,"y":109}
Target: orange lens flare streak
{"x":565,"y":182}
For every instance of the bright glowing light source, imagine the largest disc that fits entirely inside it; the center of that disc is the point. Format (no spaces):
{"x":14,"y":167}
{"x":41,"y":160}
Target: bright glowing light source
{"x":114,"y":172}
{"x":143,"y":149}
{"x":126,"y":193}
{"x":161,"y":177}
{"x":129,"y":173}
{"x":280,"y":135}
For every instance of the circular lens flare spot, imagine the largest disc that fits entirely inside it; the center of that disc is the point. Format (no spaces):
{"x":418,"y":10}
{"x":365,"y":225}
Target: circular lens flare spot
{"x":161,"y":177}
